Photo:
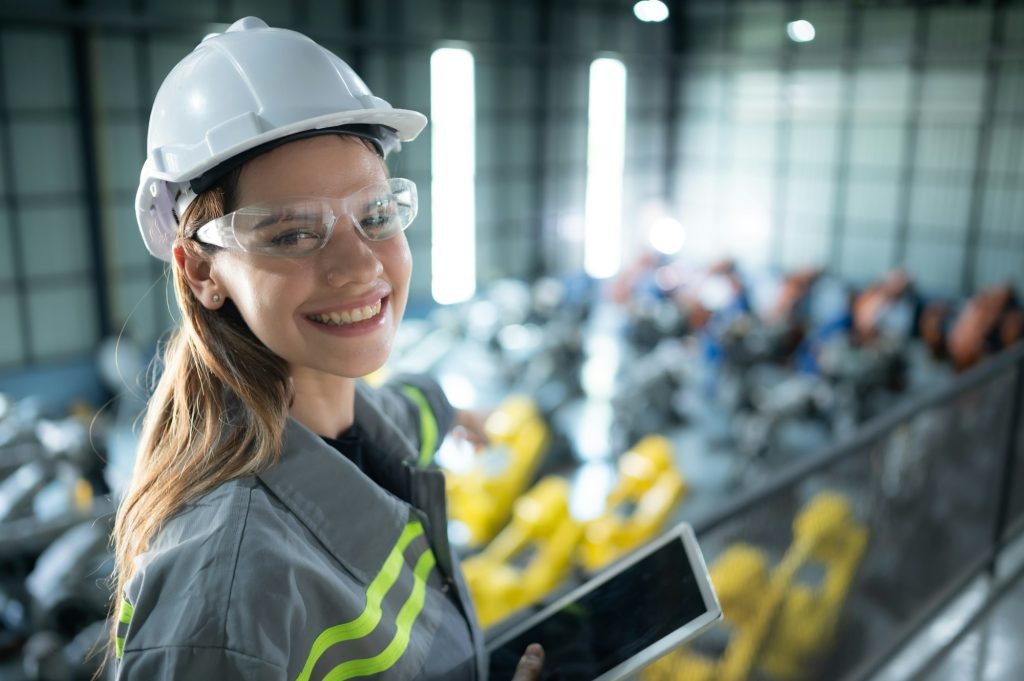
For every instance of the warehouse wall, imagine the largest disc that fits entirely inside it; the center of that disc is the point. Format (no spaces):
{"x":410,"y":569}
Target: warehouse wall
{"x":895,"y":137}
{"x":79,"y":80}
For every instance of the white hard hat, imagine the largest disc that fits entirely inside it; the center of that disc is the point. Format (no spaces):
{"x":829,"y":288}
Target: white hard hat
{"x":241,"y":91}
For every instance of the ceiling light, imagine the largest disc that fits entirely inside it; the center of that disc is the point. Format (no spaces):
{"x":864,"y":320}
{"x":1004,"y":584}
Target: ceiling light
{"x":651,"y":10}
{"x":800,"y":31}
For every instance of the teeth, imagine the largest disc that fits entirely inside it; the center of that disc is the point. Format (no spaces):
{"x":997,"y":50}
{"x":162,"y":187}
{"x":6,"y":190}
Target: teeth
{"x":349,"y":316}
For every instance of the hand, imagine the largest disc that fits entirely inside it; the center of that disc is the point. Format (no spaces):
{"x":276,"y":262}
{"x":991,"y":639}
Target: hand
{"x":530,"y":664}
{"x":469,"y":425}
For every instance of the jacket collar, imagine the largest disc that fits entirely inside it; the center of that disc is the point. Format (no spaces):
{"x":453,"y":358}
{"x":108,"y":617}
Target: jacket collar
{"x":333,"y":498}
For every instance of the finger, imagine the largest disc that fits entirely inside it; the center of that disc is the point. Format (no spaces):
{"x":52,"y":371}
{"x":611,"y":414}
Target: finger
{"x":530,"y":664}
{"x":474,"y":424}
{"x":478,"y":438}
{"x":469,"y":438}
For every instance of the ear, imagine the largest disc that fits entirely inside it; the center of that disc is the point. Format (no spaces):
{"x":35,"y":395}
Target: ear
{"x":199,"y":275}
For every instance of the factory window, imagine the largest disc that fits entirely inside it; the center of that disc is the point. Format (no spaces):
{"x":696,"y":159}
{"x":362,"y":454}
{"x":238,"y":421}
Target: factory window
{"x":46,"y":274}
{"x":606,"y":144}
{"x":453,"y":170}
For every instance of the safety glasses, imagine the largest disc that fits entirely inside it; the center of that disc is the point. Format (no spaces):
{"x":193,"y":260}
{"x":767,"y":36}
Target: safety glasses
{"x":301,"y":226}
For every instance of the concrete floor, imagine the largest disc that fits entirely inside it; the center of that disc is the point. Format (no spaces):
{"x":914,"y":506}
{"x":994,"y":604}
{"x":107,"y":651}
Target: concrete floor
{"x":989,"y":650}
{"x":992,"y":650}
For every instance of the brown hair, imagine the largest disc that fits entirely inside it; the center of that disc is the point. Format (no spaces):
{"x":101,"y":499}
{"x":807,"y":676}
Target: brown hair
{"x":218,"y":410}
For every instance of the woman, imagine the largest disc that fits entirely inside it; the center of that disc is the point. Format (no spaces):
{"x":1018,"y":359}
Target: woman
{"x":285,"y":522}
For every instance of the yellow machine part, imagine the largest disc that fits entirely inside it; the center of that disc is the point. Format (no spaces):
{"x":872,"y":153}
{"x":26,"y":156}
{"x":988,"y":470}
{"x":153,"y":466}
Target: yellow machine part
{"x":681,"y":666}
{"x":779,"y":626}
{"x":482,"y":498}
{"x":739,"y":575}
{"x":541,"y":523}
{"x":82,"y":495}
{"x":827,"y":532}
{"x":651,"y":483}
{"x":741,"y":580}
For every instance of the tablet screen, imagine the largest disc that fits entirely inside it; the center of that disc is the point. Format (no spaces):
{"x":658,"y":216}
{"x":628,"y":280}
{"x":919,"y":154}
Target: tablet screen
{"x":608,"y":625}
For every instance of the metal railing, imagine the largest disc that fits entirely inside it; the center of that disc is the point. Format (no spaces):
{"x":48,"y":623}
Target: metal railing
{"x":937,"y":481}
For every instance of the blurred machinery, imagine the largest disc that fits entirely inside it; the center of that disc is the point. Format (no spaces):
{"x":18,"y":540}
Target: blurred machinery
{"x":54,"y":550}
{"x":888,"y":308}
{"x":827,"y":357}
{"x":68,"y":607}
{"x":540,"y":348}
{"x":780,"y":626}
{"x":987,"y":323}
{"x":648,"y":489}
{"x":529,"y":558}
{"x":648,"y":397}
{"x":48,"y":492}
{"x":873,"y":355}
{"x":481,"y":498}
{"x":645,"y":290}
{"x":55,"y":520}
{"x":767,"y":360}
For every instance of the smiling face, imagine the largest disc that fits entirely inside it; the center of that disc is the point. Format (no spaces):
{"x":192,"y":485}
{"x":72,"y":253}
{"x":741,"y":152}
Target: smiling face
{"x":335,"y":311}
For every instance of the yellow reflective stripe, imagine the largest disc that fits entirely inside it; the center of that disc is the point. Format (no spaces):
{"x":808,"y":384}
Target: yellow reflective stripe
{"x":125,"y":617}
{"x":428,"y":425}
{"x":368,"y":619}
{"x":406,"y":618}
{"x":126,"y":611}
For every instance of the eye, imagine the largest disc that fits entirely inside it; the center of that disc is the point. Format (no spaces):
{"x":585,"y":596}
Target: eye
{"x":380,"y":219}
{"x":291,"y":233}
{"x":295,"y":237}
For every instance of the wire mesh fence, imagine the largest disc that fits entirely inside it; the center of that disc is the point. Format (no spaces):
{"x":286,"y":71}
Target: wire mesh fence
{"x":824,"y":572}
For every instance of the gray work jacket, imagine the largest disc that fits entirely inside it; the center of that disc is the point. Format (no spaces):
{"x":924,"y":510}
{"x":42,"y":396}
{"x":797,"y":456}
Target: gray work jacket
{"x":309,"y":570}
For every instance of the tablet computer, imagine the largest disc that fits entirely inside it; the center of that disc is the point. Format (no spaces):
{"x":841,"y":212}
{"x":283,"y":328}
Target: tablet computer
{"x":621,"y":620}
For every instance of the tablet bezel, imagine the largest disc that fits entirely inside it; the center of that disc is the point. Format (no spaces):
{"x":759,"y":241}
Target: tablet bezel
{"x":682,"y":532}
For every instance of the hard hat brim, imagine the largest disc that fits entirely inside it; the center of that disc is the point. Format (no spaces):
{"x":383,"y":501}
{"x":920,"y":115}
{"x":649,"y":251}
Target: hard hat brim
{"x":407,"y":125}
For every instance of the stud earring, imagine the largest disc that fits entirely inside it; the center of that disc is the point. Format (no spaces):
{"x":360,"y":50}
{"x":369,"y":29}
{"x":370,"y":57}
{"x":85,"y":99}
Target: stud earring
{"x":216,"y":297}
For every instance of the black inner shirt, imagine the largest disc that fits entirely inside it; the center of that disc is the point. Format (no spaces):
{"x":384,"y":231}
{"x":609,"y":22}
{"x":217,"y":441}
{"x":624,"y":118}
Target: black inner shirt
{"x":350,"y":444}
{"x":390,"y":475}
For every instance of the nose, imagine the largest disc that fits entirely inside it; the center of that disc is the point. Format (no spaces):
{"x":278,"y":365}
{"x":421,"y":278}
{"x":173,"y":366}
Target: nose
{"x":348,"y":258}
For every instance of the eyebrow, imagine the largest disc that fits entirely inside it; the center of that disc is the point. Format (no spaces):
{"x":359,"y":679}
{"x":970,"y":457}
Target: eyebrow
{"x":270,"y":219}
{"x":264,"y":223}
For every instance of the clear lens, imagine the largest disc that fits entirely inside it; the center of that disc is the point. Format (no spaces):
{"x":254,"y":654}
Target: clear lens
{"x":288,"y":228}
{"x":302,"y":226}
{"x":384,"y":210}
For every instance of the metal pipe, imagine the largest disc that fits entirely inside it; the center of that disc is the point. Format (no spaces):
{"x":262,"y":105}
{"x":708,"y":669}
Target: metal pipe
{"x":672,"y":117}
{"x":81,"y":64}
{"x":983,"y":152}
{"x":912,"y":132}
{"x":11,"y":203}
{"x":543,"y":257}
{"x":844,"y":143}
{"x":783,"y":135}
